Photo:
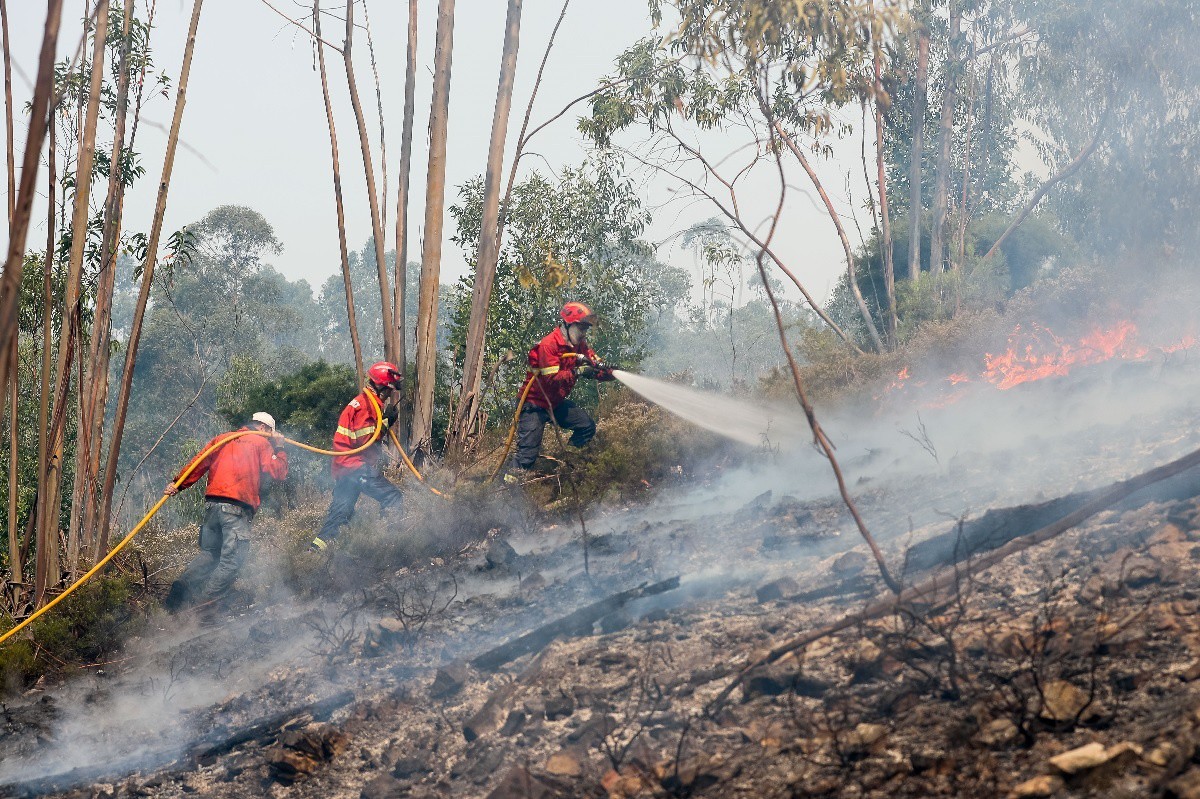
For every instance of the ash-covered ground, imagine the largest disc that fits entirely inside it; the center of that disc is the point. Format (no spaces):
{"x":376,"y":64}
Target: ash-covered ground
{"x":1088,"y":640}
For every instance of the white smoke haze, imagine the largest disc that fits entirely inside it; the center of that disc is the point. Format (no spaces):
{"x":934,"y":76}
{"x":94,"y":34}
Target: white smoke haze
{"x":912,"y":467}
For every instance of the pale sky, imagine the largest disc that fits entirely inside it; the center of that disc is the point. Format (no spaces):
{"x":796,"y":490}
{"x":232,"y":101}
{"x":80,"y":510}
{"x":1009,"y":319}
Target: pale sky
{"x":255,"y":128}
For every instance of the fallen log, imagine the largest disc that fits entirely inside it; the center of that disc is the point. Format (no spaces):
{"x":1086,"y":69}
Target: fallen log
{"x":215,"y":744}
{"x":948,"y":578}
{"x":578,"y":623}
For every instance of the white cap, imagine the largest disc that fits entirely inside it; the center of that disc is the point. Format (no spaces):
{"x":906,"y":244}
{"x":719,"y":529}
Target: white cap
{"x":265,"y":418}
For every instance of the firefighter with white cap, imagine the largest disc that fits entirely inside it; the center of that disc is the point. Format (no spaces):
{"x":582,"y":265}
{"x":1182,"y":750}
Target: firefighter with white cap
{"x":232,"y":497}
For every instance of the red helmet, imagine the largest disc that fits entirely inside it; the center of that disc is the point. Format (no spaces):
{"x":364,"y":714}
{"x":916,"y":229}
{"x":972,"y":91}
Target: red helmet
{"x":386,"y":374}
{"x":575,"y":312}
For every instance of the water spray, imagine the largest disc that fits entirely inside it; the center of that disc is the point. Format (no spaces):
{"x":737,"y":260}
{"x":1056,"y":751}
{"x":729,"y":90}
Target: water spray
{"x":743,"y":421}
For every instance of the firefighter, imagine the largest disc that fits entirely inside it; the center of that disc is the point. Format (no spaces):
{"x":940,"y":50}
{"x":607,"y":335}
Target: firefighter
{"x":555,"y":364}
{"x":361,"y":473}
{"x":230,"y":502}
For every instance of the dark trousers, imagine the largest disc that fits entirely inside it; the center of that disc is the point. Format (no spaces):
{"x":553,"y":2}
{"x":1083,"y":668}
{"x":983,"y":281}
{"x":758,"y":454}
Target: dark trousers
{"x":224,"y":544}
{"x":346,"y":490}
{"x":532,"y":425}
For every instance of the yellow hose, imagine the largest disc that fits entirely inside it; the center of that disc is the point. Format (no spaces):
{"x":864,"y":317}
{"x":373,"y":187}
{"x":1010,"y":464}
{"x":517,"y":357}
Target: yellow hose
{"x":411,"y":466}
{"x":512,"y":431}
{"x":191,"y":467}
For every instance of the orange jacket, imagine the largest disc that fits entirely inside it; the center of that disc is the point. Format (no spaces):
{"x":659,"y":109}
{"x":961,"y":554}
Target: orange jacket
{"x":234,"y":469}
{"x":552,"y":364}
{"x":355,"y":427}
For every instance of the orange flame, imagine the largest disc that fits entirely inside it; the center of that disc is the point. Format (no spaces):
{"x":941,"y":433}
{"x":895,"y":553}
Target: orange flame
{"x":1036,"y":352}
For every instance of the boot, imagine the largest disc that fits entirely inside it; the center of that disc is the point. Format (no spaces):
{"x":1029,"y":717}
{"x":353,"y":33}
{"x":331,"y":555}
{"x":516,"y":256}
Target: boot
{"x":177,"y":598}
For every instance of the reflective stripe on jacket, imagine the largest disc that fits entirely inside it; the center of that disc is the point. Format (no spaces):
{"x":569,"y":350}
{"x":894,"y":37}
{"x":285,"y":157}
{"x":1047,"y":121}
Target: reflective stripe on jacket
{"x":552,"y":364}
{"x":355,"y":426}
{"x":234,"y":471}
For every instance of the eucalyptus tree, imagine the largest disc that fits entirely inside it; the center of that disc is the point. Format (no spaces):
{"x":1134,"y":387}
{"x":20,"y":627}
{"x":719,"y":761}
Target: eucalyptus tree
{"x":773,"y":74}
{"x":421,"y":433}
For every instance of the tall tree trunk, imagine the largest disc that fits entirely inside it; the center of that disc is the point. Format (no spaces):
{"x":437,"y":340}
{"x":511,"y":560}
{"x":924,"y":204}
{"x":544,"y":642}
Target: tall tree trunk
{"x":916,"y":152}
{"x":14,"y":262}
{"x":431,"y":250}
{"x":404,"y":180}
{"x":68,"y":334}
{"x":14,"y":544}
{"x":41,"y":575}
{"x":851,"y":271}
{"x":8,"y":118}
{"x":139,"y":313}
{"x":364,"y":143}
{"x":488,"y":249}
{"x":351,"y":315}
{"x":94,"y":392}
{"x":400,"y":288}
{"x":889,"y":266}
{"x":941,"y":187}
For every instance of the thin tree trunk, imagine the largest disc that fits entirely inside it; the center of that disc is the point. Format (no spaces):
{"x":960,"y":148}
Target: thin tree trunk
{"x":41,"y":575}
{"x":72,"y":298}
{"x":851,"y":271}
{"x":14,"y":545}
{"x":916,"y":152}
{"x":488,"y":249}
{"x":431,"y":251}
{"x":889,"y":266}
{"x":941,"y":186}
{"x":404,"y":179}
{"x":10,"y":282}
{"x":351,"y":315}
{"x":364,"y":143}
{"x":94,"y":392}
{"x":8,"y":118}
{"x":135,"y":333}
{"x":964,"y":210}
{"x":1063,"y":174}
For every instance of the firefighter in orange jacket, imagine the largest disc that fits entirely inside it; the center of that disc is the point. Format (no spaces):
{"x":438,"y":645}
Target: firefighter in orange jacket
{"x":361,"y":473}
{"x":555,"y":364}
{"x":230,"y":502}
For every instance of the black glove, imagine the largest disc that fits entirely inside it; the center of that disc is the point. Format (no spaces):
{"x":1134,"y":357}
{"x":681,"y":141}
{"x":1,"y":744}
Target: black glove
{"x":390,"y":414}
{"x":586,"y":370}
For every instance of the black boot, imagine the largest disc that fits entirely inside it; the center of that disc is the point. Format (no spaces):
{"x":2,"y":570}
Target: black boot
{"x":177,"y":597}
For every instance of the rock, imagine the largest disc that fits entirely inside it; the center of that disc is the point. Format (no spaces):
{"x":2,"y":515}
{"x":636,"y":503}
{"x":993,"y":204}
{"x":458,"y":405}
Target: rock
{"x":499,"y":553}
{"x":1043,"y":786}
{"x":304,"y":751}
{"x":1167,"y":534}
{"x":520,"y":783}
{"x":1185,"y":787}
{"x":391,"y":626}
{"x":758,"y":504}
{"x":564,"y":764}
{"x":1163,"y":754}
{"x":1063,"y":701}
{"x":449,"y":680}
{"x":1094,"y":761}
{"x":408,"y":766}
{"x":1088,"y":756}
{"x":998,"y":732}
{"x":559,"y":706}
{"x":385,"y":786}
{"x":850,"y":563}
{"x":777,"y":589}
{"x":614,"y":622}
{"x":534,"y":582}
{"x":867,"y":736}
{"x":514,"y":723}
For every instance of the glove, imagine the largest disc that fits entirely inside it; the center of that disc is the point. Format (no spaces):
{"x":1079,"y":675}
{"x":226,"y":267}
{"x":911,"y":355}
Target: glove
{"x":586,"y":370}
{"x":390,"y":415}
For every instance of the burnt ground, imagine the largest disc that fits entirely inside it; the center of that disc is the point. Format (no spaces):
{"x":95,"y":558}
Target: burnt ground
{"x":1087,"y":646}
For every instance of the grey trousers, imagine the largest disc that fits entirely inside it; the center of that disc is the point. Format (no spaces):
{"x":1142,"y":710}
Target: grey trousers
{"x":532,"y":424}
{"x":224,"y":545}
